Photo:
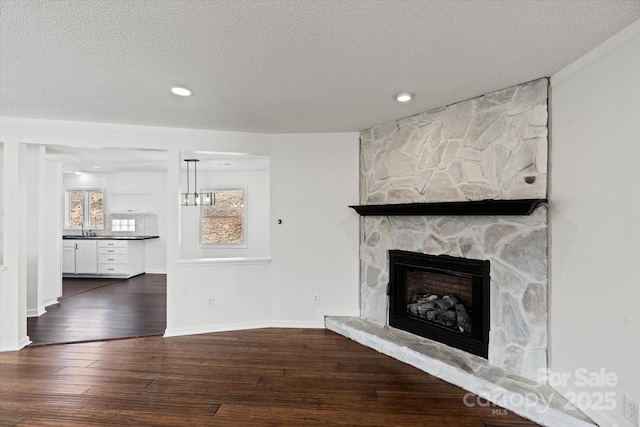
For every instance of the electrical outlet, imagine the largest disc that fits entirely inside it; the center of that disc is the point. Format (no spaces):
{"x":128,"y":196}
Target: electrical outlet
{"x":631,"y":410}
{"x":315,"y":298}
{"x":210,"y":302}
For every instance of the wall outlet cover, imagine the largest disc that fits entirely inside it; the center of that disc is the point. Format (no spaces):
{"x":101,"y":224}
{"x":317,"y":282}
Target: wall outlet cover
{"x":631,"y":410}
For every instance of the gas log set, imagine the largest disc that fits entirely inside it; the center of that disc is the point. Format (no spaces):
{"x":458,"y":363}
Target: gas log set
{"x":445,"y":311}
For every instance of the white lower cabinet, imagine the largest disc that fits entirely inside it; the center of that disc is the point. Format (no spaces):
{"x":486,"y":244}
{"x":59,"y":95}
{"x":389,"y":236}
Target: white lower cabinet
{"x":120,"y":257}
{"x":79,"y":257}
{"x":68,"y":257}
{"x":86,"y":257}
{"x":103,"y":258}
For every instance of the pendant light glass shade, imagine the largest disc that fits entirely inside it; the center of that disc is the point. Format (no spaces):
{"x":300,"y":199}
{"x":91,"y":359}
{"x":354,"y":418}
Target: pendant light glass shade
{"x":195,"y":198}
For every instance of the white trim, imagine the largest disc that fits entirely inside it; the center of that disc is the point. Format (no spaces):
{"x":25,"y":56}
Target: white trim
{"x":230,"y":327}
{"x":307,"y":324}
{"x":608,"y":46}
{"x":177,"y":332}
{"x":341,"y":313}
{"x":202,"y":262}
{"x":2,"y":268}
{"x":36,"y":312}
{"x":50,"y":302}
{"x":15,"y":345}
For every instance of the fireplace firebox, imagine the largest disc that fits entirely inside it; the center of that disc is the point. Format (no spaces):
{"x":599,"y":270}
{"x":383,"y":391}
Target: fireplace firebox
{"x":442,"y":298}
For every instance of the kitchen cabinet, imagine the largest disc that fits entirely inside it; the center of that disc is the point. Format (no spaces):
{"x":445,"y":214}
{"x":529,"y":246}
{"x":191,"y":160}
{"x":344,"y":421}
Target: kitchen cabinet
{"x":88,"y":257}
{"x":120,"y":258}
{"x":80,"y":257}
{"x":68,"y":256}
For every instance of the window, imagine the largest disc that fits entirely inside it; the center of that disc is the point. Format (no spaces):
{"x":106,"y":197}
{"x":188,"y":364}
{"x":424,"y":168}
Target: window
{"x":223,"y":223}
{"x":84,"y":207}
{"x":123,"y":225}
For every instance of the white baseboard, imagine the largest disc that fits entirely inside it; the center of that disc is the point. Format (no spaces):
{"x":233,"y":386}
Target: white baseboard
{"x":15,"y":345}
{"x":312,"y":324}
{"x":341,"y":313}
{"x":177,"y":332}
{"x":36,"y":312}
{"x":318,"y":323}
{"x":51,"y":302}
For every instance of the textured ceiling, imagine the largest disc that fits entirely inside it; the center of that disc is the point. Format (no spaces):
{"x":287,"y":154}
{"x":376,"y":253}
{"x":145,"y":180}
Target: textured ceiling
{"x":282,"y":66}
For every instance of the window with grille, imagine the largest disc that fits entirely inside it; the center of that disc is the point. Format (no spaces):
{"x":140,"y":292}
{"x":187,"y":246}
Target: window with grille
{"x":84,"y":207}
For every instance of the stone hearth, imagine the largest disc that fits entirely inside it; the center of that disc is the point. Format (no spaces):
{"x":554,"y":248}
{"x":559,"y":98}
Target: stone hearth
{"x":537,"y":402}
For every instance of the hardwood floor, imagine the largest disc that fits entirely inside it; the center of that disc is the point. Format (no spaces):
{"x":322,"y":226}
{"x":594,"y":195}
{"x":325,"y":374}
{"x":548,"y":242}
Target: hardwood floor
{"x":263,"y":377}
{"x":100,"y":309}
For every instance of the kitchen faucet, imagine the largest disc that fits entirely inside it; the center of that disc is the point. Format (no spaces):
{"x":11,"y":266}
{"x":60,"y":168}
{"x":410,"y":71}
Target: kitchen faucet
{"x":87,"y":233}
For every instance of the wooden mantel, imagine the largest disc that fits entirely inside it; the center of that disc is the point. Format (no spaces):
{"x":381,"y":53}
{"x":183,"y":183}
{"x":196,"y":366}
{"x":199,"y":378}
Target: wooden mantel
{"x":480,"y":207}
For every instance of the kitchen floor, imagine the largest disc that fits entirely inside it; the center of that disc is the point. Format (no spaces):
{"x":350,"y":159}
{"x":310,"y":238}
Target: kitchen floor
{"x":101,"y":309}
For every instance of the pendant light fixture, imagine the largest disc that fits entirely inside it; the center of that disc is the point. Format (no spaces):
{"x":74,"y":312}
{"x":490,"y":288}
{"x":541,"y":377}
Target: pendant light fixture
{"x":195,"y":198}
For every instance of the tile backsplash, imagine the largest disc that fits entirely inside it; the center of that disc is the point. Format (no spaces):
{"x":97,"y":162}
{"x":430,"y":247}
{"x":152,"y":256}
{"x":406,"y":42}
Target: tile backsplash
{"x":131,"y":224}
{"x":126,"y":224}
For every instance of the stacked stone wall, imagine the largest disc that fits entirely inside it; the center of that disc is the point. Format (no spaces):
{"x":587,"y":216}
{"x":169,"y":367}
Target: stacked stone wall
{"x":490,"y":147}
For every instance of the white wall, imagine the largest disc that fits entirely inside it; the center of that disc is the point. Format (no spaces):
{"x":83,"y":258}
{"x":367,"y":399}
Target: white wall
{"x":50,"y":269}
{"x":44,"y":278}
{"x":1,"y":204}
{"x":33,"y":158}
{"x":1,"y":213}
{"x":314,"y":178}
{"x":13,"y":293}
{"x":595,"y":223}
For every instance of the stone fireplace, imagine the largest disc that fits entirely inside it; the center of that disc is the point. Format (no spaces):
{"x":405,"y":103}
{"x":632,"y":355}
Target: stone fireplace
{"x":467,"y":182}
{"x":493,"y":147}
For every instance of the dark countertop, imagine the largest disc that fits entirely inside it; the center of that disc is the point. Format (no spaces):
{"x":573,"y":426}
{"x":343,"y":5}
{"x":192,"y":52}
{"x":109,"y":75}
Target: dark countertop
{"x":78,"y":237}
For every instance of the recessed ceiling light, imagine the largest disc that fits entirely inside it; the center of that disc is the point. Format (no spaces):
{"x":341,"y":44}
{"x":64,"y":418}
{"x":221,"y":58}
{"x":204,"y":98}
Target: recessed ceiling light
{"x":181,"y":91}
{"x":97,"y":167}
{"x":404,"y":97}
{"x":78,"y":173}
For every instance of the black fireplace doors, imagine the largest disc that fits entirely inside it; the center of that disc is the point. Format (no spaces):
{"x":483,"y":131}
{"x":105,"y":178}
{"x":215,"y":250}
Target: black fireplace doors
{"x":442,"y":298}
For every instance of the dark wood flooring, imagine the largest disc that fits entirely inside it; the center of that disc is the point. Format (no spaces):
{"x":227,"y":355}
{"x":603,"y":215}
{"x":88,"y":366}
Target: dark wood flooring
{"x":263,"y":377}
{"x":100,"y":309}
